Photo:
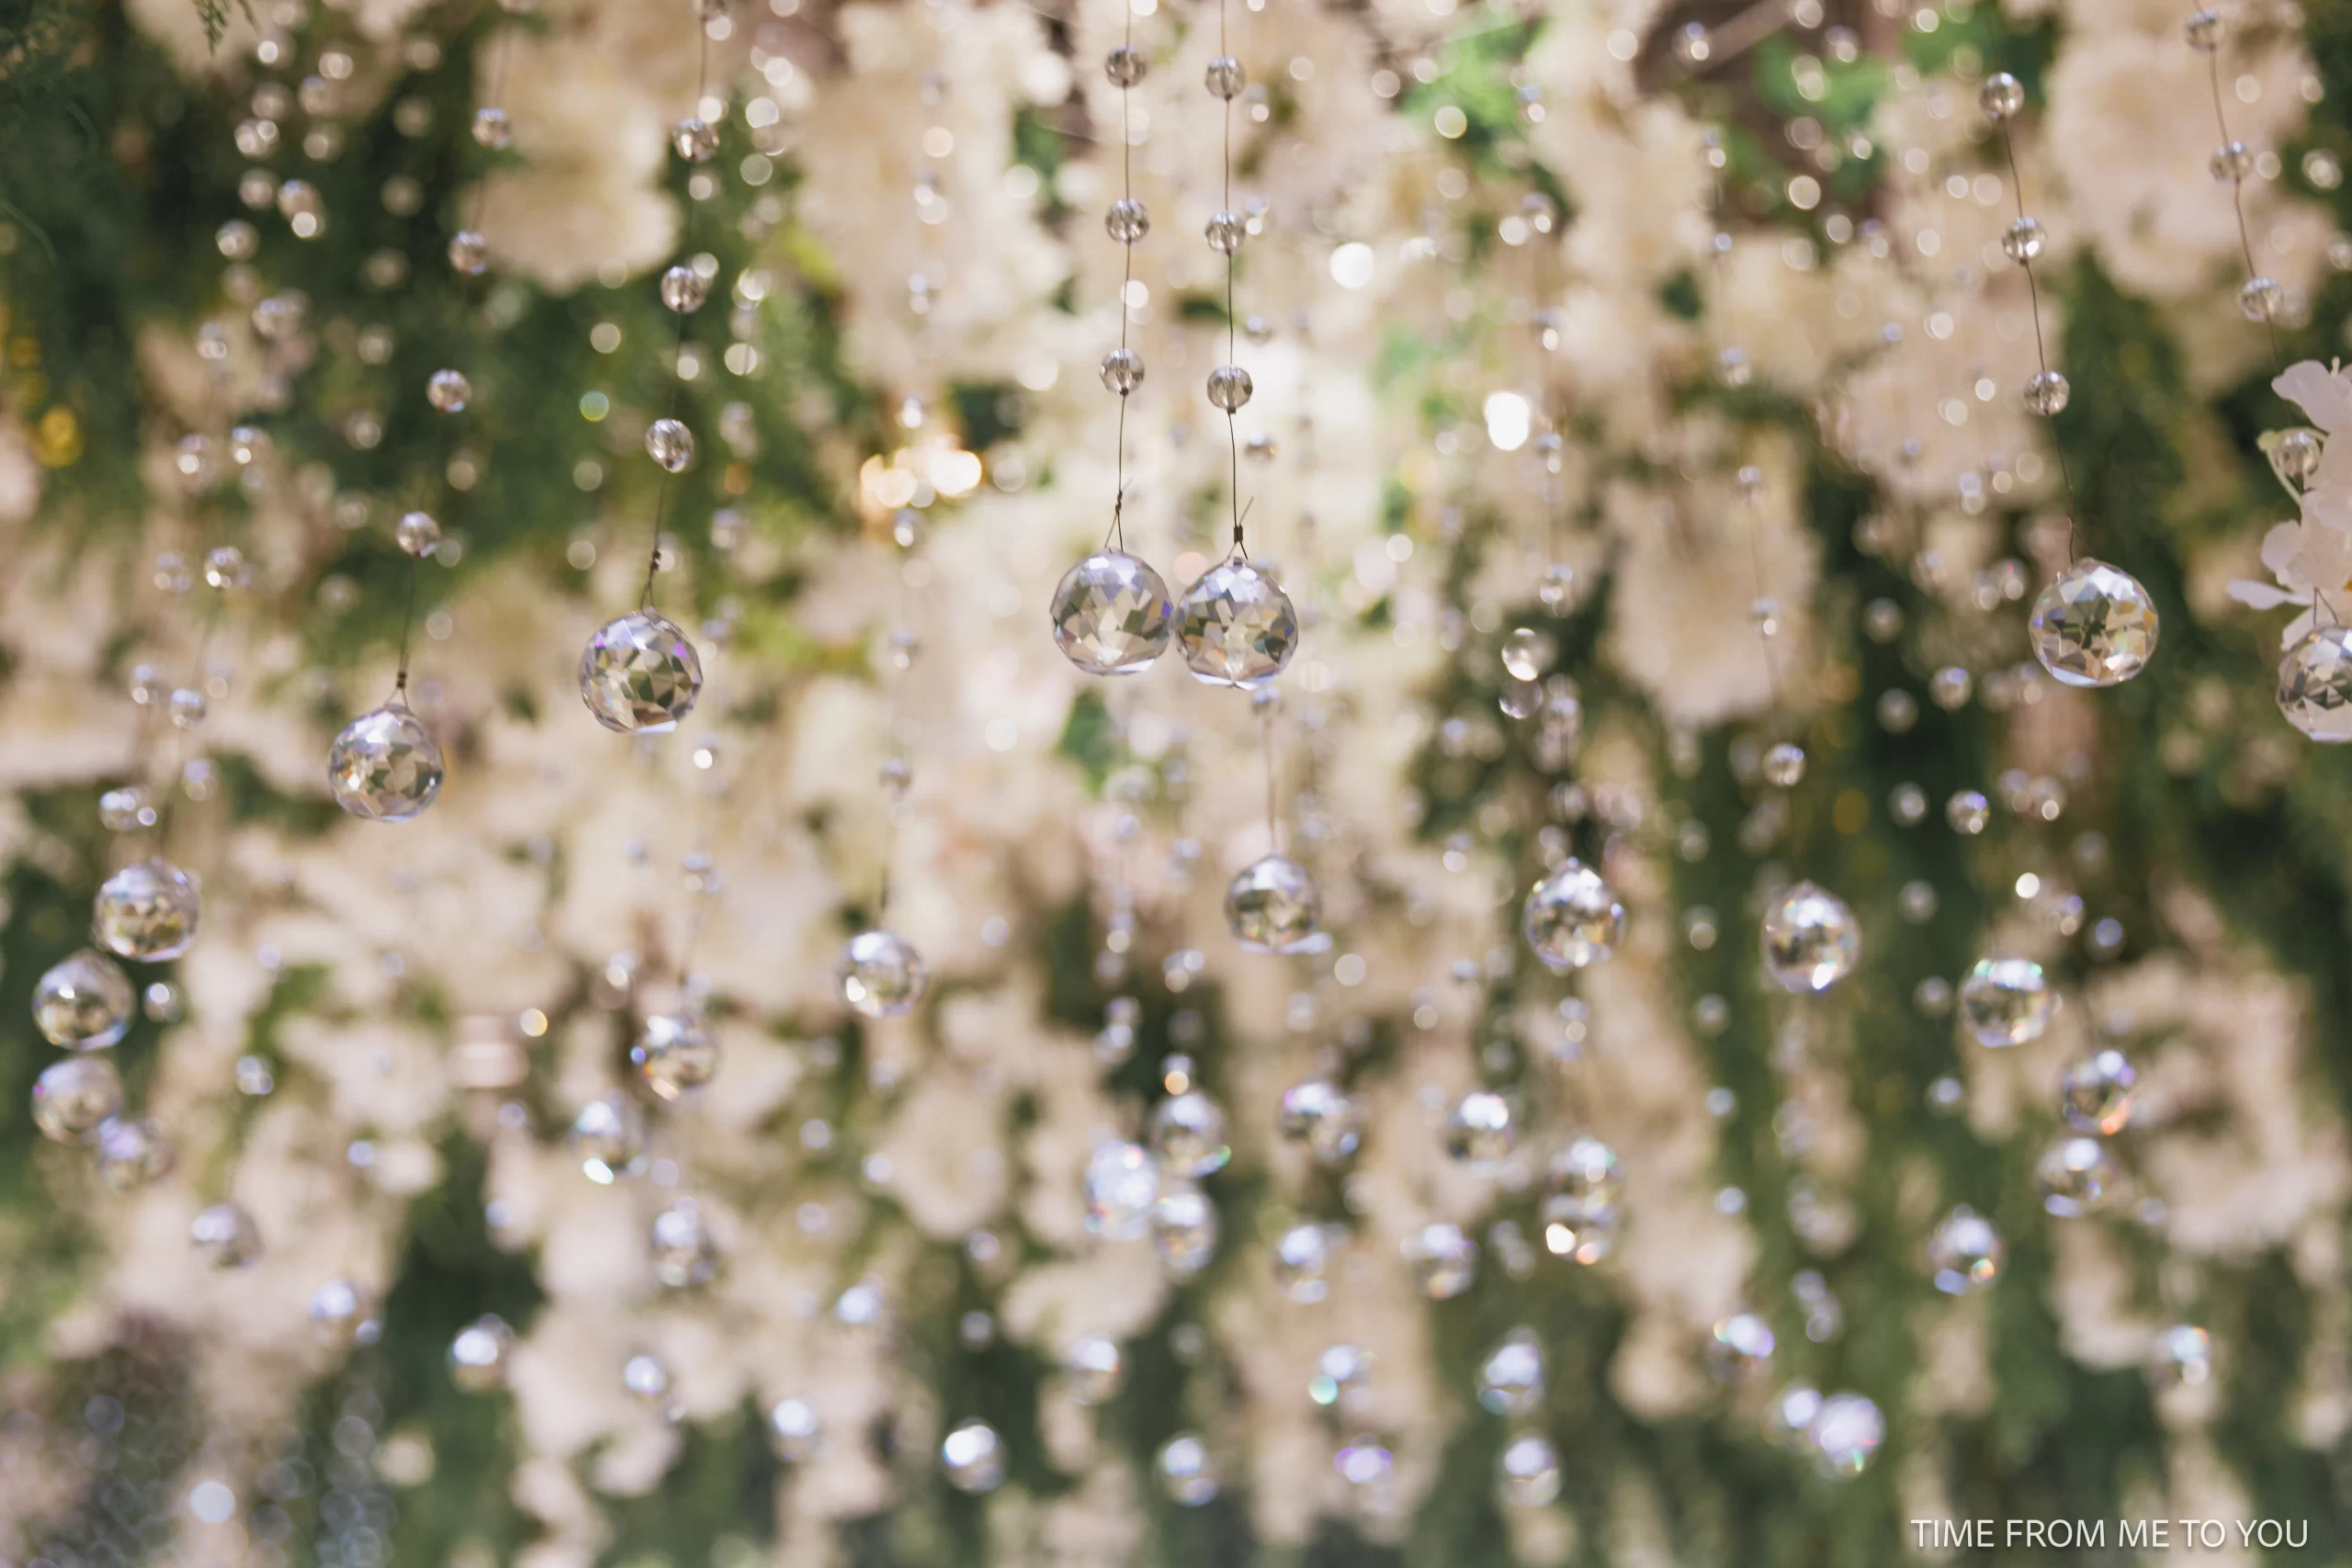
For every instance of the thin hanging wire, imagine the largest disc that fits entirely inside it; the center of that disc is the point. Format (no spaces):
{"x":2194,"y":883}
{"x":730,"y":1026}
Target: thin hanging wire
{"x":1118,"y":535}
{"x":678,"y":345}
{"x":2041,"y":345}
{"x":1232,"y":266}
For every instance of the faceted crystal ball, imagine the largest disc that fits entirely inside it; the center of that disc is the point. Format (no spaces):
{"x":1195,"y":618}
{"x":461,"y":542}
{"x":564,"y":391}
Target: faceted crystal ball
{"x":2096,"y":1094}
{"x":385,"y":765}
{"x":2006,"y":1001}
{"x":84,"y":1003}
{"x":674,"y":1054}
{"x":1572,"y":918}
{"x":1320,"y":1115}
{"x":1236,"y":626}
{"x":684,"y":1251}
{"x":1303,"y":1264}
{"x":973,"y":1457}
{"x":1511,"y":1380}
{"x":1481,"y":1133}
{"x":477,"y":1355}
{"x":1272,"y":907}
{"x":74,"y":1097}
{"x":1093,"y":1370}
{"x":608,"y":1138}
{"x":1740,"y":1347}
{"x":148,"y":910}
{"x":639,"y":674}
{"x":1527,"y":1472}
{"x":1112,"y":614}
{"x":1183,"y":1229}
{"x":1811,"y":939}
{"x":225,"y":1235}
{"x":2075,"y":1176}
{"x":881,"y":974}
{"x":344,"y":1314}
{"x":2094,"y":625}
{"x":1845,"y":1435}
{"x":1582,"y":1216}
{"x":1443,"y":1260}
{"x":2315,"y":686}
{"x":132,"y":1154}
{"x":1965,"y":1253}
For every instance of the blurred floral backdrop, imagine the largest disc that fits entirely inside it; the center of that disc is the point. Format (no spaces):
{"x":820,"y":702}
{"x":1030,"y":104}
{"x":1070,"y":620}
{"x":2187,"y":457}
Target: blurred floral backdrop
{"x":1644,"y":428}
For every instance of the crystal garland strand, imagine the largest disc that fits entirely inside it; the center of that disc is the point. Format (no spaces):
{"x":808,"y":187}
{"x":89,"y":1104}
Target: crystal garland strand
{"x":2314,"y":685}
{"x":1111,"y":612}
{"x":639,"y":675}
{"x":2093,"y":624}
{"x":385,"y":765}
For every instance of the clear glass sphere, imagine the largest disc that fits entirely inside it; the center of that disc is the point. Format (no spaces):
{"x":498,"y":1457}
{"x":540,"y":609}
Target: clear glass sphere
{"x":1740,"y":1347}
{"x":2096,"y":1094}
{"x":2006,"y":1001}
{"x":1303,"y":1264}
{"x":881,"y":974}
{"x":1093,"y":1370}
{"x":449,"y":390}
{"x":684,"y":1252}
{"x":2262,"y":299}
{"x":795,"y":1430}
{"x":1236,"y":626}
{"x":2001,"y":96}
{"x":608,"y":1138}
{"x":674,"y":1054}
{"x":1528,"y":653}
{"x":1188,"y":1135}
{"x":2231,"y":162}
{"x":417,"y":534}
{"x":469,"y":253}
{"x":1811,"y":939}
{"x":1572,"y":919}
{"x":1511,"y":1380}
{"x":1319,"y":1115}
{"x":973,"y":1457}
{"x":1581,"y":1212}
{"x":1125,"y":65}
{"x":188,"y":707}
{"x":2204,"y":31}
{"x":1965,"y":1253}
{"x":385,"y":765}
{"x":1185,"y":1470}
{"x":2295,"y":455}
{"x":493,"y":128}
{"x":225,"y":1235}
{"x":1127,"y":221}
{"x":669,"y":443}
{"x":1112,"y":615}
{"x":1272,"y":907}
{"x":345,"y":1314}
{"x":1225,"y":77}
{"x":2094,"y":625}
{"x":149,"y":910}
{"x":639,"y":675}
{"x":1226,"y":231}
{"x":132,"y":1154}
{"x":2315,"y":686}
{"x":2046,"y":392}
{"x":1481,"y":1133}
{"x":695,"y":139}
{"x":75,"y":1097}
{"x":684,"y":290}
{"x":1783,"y":764}
{"x":1230,"y":387}
{"x":1443,"y":1260}
{"x":1122,"y":371}
{"x":1122,"y":1183}
{"x":1183,"y":1229}
{"x":1845,"y":1435}
{"x":1527,"y":1471}
{"x":2023,"y":239}
{"x":477,"y":1355}
{"x":2075,"y":1176}
{"x":85,"y":1002}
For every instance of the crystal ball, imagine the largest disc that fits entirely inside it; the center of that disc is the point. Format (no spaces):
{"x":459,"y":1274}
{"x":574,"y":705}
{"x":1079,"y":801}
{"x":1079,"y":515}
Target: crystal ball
{"x":881,"y":974}
{"x":84,"y":1002}
{"x":1093,"y":1369}
{"x":132,"y":1154}
{"x":1965,"y":1253}
{"x":1188,"y":1135}
{"x":684,"y":1251}
{"x":1444,"y":1261}
{"x":1236,"y":626}
{"x":1319,"y":1114}
{"x":1122,"y":1183}
{"x":1572,"y":918}
{"x":684,"y":290}
{"x":2006,"y":1001}
{"x":2075,"y":1176}
{"x":609,"y":1137}
{"x":1740,"y":1347}
{"x":1112,"y":615}
{"x":973,"y":1457}
{"x":1183,"y":1229}
{"x":2096,"y":1094}
{"x":477,"y":1355}
{"x":74,"y":1098}
{"x":2315,"y":686}
{"x":1272,"y":906}
{"x":344,"y":1314}
{"x":1511,"y":1380}
{"x":1811,"y":939}
{"x":1480,"y":1133}
{"x":1845,"y":1435}
{"x":1303,"y":1264}
{"x":639,"y":675}
{"x":225,"y":1235}
{"x":149,"y":910}
{"x":448,"y":391}
{"x":674,"y":1054}
{"x":1527,"y":1472}
{"x":695,"y":139}
{"x":385,"y":765}
{"x":2094,"y":625}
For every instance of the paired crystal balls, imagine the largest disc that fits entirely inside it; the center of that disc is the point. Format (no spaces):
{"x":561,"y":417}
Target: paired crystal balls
{"x":639,"y":675}
{"x":385,"y":766}
{"x":1235,"y":627}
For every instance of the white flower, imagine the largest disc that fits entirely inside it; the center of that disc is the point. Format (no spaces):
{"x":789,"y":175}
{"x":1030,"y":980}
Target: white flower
{"x":2311,"y":559}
